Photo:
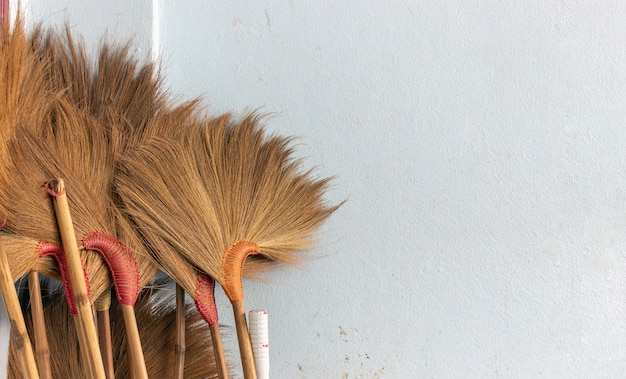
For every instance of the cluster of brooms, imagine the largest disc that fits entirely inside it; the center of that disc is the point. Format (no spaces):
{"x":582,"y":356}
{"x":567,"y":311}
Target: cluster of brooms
{"x":105,"y":180}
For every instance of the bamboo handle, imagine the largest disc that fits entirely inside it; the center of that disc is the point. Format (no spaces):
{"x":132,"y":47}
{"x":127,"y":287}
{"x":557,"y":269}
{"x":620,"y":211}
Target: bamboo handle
{"x":245,"y":346}
{"x":102,"y":305}
{"x":42,"y":351}
{"x":179,"y":364}
{"x":133,"y":342}
{"x":106,"y":346}
{"x":218,"y":351}
{"x":19,"y":335}
{"x":87,"y":335}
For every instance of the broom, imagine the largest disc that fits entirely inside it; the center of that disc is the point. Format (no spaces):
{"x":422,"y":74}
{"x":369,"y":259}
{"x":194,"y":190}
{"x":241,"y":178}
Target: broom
{"x":118,"y":91}
{"x":241,"y":195}
{"x":156,"y":320}
{"x":86,"y":328}
{"x":92,"y":210}
{"x":199,"y":286}
{"x":76,"y":84}
{"x":23,"y":100}
{"x":22,"y":75}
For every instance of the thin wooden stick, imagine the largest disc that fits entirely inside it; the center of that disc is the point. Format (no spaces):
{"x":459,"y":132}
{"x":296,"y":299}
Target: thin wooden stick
{"x":243,"y":337}
{"x":104,"y":333}
{"x":218,"y":351}
{"x":87,"y":335}
{"x":42,"y":351}
{"x":179,"y":368}
{"x":19,"y":334}
{"x":133,"y":342}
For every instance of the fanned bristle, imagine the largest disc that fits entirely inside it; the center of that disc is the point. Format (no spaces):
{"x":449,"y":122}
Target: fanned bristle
{"x":64,"y":148}
{"x":115,"y":87}
{"x":221,"y":182}
{"x":176,"y":186}
{"x":25,"y":95}
{"x":156,"y":319}
{"x":77,"y":138}
{"x":262,"y":194}
{"x":163,"y":195}
{"x":22,"y":74}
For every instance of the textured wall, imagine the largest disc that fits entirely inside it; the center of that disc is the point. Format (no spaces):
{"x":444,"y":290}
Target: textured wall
{"x":482,"y":150}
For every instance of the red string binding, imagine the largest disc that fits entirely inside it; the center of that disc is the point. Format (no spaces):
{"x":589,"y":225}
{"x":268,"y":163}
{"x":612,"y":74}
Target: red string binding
{"x":205,"y":298}
{"x":45,"y":249}
{"x":52,"y":192}
{"x":122,"y":264}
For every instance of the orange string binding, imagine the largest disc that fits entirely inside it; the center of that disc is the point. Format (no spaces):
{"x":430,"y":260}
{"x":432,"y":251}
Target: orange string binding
{"x":232,"y":267}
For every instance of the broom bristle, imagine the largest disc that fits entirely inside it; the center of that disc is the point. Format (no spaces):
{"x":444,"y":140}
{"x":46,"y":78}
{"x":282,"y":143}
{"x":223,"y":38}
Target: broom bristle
{"x":156,"y":320}
{"x":168,"y":205}
{"x":25,"y":95}
{"x":262,"y":194}
{"x":62,"y":149}
{"x":122,"y":91}
{"x":119,"y":91}
{"x":238,"y":185}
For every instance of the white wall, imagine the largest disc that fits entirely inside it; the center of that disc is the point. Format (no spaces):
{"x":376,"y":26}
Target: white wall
{"x":482,"y":150}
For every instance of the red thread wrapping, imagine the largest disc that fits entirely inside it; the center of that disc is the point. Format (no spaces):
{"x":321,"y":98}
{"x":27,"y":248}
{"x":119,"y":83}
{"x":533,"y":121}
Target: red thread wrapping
{"x":50,"y":190}
{"x":55,"y":251}
{"x":122,"y":264}
{"x":205,"y":298}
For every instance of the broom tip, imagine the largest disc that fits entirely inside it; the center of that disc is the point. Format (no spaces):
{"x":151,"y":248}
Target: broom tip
{"x":55,"y":187}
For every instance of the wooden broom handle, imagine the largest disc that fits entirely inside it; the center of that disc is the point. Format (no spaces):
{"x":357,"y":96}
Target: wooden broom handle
{"x":245,"y":346}
{"x":42,"y":350}
{"x":179,"y":363}
{"x":218,"y":351}
{"x":137,"y":362}
{"x":106,"y":346}
{"x":19,"y":334}
{"x":87,"y":335}
{"x":102,"y":305}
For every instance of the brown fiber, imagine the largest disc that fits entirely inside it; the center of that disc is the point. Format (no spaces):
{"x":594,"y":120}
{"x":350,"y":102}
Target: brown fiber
{"x":65,"y":138}
{"x":156,"y":320}
{"x":221,"y":182}
{"x":223,"y":191}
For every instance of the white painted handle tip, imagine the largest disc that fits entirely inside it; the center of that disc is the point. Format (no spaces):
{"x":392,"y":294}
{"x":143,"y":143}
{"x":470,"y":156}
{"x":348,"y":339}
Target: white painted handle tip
{"x":259,"y":337}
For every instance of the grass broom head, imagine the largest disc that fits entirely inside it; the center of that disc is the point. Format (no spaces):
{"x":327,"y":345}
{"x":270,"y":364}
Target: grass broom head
{"x":156,"y":319}
{"x":26,"y":98}
{"x":219,"y":183}
{"x":113,"y":93}
{"x":115,"y":88}
{"x":119,"y":89}
{"x":163,"y":251}
{"x":24,"y":93}
{"x":65,"y":147}
{"x":22,"y":74}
